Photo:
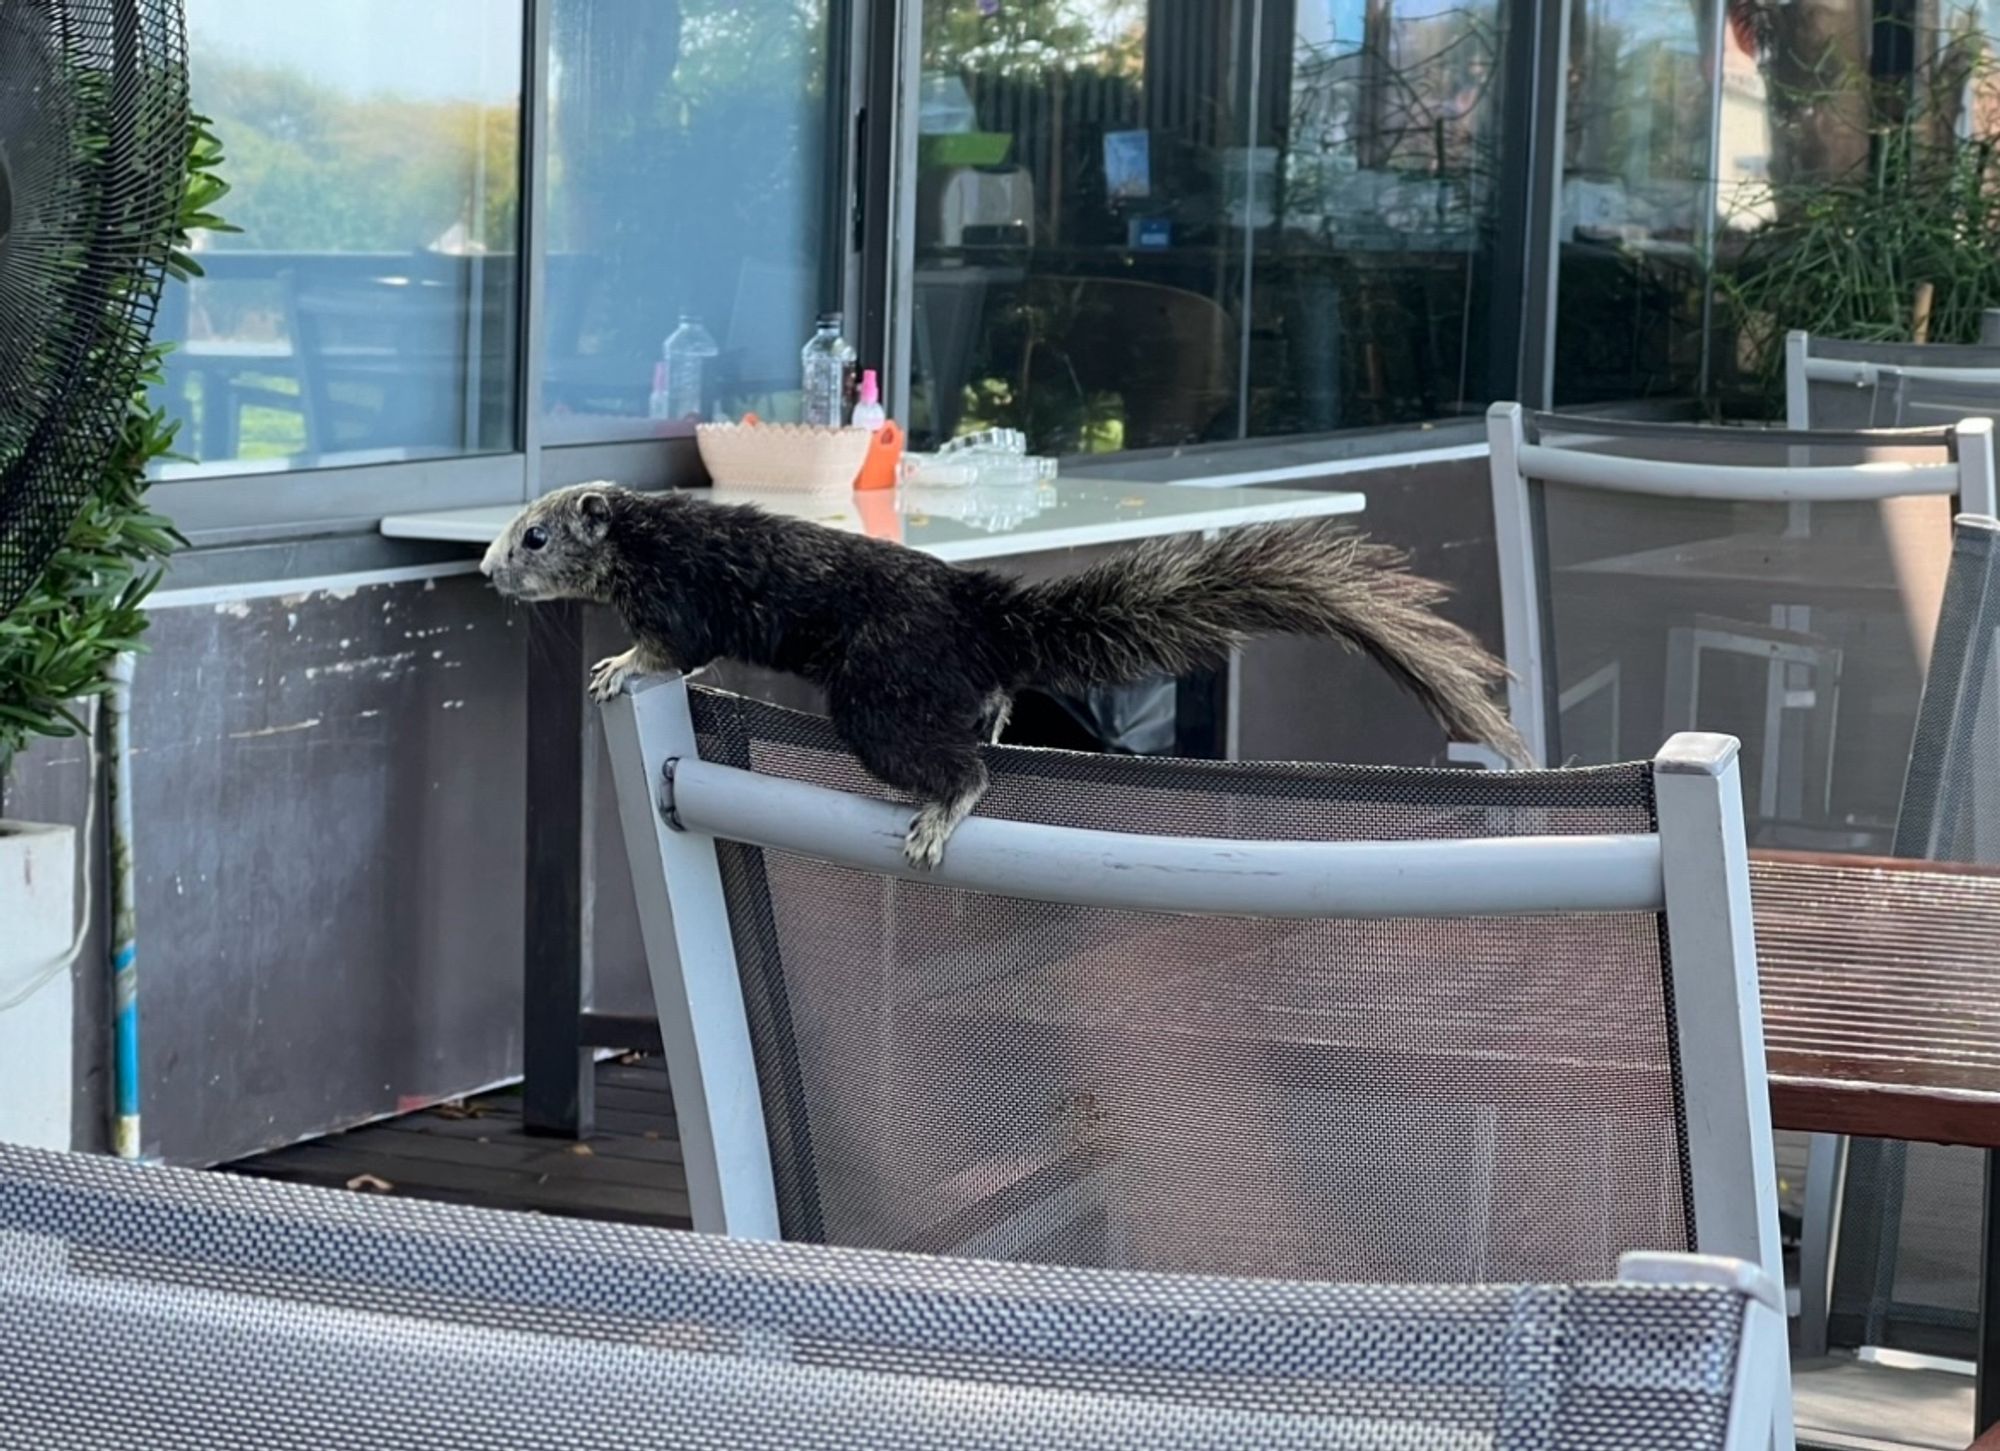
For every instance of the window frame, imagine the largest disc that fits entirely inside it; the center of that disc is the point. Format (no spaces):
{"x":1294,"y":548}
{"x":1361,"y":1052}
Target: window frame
{"x":238,"y":505}
{"x":874,"y":62}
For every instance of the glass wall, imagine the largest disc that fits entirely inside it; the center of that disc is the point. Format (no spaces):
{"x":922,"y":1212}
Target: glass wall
{"x":1737,"y":168}
{"x":366,"y":309}
{"x":1143,"y":224}
{"x":687,"y":182}
{"x":1635,"y":212}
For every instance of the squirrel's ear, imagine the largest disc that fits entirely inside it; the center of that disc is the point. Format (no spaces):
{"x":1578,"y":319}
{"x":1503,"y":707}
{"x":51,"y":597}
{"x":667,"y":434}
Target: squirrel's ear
{"x":593,"y":513}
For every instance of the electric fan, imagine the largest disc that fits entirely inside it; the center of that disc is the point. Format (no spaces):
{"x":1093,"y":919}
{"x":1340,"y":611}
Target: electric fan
{"x":93,"y":146}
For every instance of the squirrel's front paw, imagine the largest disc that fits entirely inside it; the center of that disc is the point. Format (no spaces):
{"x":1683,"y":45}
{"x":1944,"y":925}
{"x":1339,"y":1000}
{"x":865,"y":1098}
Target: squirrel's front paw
{"x":923,"y":845}
{"x":608,"y":676}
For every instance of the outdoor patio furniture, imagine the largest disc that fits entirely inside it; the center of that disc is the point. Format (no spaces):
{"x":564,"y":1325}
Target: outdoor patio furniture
{"x":1808,"y":558}
{"x":1301,"y":1020}
{"x":1835,"y":383}
{"x":1888,"y":1233}
{"x":170,"y":1310}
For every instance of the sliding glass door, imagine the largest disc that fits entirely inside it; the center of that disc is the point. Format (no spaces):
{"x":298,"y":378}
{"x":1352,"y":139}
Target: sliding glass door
{"x":1141,"y":224}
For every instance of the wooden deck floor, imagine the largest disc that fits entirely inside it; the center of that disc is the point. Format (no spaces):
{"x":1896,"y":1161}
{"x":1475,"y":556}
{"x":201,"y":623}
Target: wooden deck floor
{"x":478,"y":1153}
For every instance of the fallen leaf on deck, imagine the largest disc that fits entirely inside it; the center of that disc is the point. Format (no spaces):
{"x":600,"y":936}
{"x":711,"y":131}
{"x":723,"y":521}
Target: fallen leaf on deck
{"x":582,"y":1151}
{"x":368,"y":1183}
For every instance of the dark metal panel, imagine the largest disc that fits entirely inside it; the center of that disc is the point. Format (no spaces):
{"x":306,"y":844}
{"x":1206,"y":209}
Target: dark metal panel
{"x":329,"y":849}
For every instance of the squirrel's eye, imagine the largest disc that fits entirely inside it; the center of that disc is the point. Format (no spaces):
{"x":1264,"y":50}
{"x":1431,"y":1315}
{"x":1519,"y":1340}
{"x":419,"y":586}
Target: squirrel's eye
{"x":534,"y":537}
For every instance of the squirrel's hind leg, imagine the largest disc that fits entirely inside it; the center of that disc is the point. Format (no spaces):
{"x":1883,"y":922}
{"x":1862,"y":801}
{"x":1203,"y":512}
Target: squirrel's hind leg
{"x":928,"y":747}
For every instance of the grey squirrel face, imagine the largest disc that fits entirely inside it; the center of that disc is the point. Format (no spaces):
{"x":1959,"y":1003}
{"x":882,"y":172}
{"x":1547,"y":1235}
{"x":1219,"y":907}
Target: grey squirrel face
{"x":555,"y":548}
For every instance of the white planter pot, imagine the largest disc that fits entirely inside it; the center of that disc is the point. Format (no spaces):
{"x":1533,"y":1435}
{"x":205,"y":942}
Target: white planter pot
{"x":37,"y":918}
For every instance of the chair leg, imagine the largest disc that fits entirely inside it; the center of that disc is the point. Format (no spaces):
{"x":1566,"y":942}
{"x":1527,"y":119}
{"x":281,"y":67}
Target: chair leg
{"x":1826,"y":1175}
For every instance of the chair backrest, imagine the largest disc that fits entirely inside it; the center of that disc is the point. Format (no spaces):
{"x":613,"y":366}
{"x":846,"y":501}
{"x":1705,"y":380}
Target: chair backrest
{"x":240,"y":1313}
{"x":1907,"y":1269}
{"x":1702,"y":577}
{"x":1834,"y":383}
{"x":1297,"y":1020}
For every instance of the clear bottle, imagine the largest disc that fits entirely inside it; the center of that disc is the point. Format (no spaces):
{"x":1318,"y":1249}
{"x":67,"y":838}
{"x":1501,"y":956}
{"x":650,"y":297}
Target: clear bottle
{"x":827,"y":368}
{"x":686,"y":353}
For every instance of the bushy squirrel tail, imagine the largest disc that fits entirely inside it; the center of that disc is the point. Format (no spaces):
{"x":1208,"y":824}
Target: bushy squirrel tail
{"x":1179,"y":606}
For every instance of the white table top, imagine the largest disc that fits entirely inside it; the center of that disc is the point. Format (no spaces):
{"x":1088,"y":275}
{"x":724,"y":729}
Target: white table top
{"x":981,"y":523}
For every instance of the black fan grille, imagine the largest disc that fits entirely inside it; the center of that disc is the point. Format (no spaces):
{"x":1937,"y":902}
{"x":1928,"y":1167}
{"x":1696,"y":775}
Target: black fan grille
{"x":93,"y":148}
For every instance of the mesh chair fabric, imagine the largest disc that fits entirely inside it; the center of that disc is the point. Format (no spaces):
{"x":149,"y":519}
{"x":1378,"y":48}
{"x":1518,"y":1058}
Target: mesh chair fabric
{"x":1799,"y":628}
{"x":1379,"y":1100}
{"x":171,"y":1310}
{"x":1907,"y":1271}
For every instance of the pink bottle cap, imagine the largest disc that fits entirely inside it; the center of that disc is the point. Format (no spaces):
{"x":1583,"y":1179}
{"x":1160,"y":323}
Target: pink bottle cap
{"x":870,"y":392}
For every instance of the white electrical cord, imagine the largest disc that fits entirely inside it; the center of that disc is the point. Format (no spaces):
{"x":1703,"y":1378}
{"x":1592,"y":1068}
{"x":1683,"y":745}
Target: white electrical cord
{"x":41,"y":976}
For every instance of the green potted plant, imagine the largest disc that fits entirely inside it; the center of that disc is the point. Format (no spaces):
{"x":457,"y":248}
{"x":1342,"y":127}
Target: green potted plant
{"x":1881,"y":217}
{"x":57,"y":649}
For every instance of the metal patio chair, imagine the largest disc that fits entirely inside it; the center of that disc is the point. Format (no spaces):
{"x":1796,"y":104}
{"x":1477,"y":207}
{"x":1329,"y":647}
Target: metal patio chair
{"x":1296,"y":1020}
{"x":173,"y":1310}
{"x":1834,"y":383}
{"x":1299,"y":1021}
{"x":1890,"y":1253}
{"x":1739,"y":579}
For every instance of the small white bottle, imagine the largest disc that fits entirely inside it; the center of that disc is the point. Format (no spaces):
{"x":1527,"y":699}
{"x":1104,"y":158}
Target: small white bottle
{"x":868,"y":412}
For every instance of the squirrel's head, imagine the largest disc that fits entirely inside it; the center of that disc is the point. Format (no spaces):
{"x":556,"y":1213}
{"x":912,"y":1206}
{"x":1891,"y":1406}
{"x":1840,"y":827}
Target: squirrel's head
{"x":556,"y":549}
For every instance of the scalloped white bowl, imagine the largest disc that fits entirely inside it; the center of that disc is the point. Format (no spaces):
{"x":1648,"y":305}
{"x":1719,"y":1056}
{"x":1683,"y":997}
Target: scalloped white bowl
{"x":792,"y":456}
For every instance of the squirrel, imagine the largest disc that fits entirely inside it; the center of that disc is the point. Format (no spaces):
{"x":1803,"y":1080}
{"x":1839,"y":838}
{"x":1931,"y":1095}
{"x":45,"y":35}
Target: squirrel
{"x":920,"y":659}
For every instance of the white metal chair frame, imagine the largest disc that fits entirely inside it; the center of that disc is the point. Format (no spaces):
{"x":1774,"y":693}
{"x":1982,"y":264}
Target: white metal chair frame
{"x":675,"y":806}
{"x":1516,"y":463}
{"x":564,"y":1334}
{"x":1803,"y":368}
{"x":1921,"y":833}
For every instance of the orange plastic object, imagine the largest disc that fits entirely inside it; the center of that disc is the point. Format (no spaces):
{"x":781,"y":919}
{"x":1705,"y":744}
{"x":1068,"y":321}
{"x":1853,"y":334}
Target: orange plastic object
{"x":750,"y":419}
{"x":885,"y":453}
{"x":880,"y":518}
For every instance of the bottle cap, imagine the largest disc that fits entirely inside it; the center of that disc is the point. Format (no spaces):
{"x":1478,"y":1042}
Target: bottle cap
{"x":830,"y":319}
{"x":870,"y":390}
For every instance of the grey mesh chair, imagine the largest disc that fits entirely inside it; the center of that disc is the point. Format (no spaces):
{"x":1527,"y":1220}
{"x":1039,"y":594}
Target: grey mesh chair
{"x":1740,"y":579}
{"x":1904,"y":1216}
{"x":1297,"y":1020}
{"x":170,"y":1310}
{"x":1832,"y":383}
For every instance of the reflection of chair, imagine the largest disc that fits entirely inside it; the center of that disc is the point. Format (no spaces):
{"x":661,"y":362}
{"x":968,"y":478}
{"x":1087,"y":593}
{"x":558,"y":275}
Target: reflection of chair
{"x":1097,"y":1034}
{"x":1832,"y":383}
{"x":769,"y":321}
{"x":241,"y":1313}
{"x":210,"y":382}
{"x":949,"y":308}
{"x":406,"y":352}
{"x":1904,"y":1217}
{"x":1170,"y":355}
{"x":1784,"y":654}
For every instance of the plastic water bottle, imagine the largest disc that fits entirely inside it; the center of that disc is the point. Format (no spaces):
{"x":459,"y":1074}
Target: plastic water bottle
{"x":686,"y":353}
{"x":827,"y":365}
